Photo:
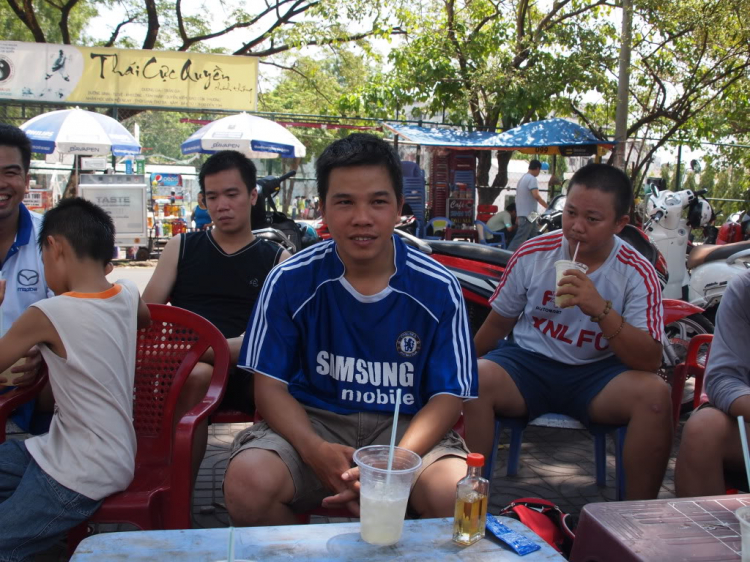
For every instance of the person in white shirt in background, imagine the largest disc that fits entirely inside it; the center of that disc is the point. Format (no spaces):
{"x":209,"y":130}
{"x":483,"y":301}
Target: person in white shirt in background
{"x":527,"y":197}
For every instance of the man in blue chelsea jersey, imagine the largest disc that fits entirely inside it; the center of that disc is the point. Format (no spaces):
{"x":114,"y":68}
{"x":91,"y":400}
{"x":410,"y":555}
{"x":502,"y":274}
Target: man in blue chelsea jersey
{"x":337,"y":330}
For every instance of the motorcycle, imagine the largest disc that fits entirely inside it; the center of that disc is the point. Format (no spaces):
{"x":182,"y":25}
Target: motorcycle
{"x":479,"y":269}
{"x":272,"y":224}
{"x":735,"y":229}
{"x":701,"y":279}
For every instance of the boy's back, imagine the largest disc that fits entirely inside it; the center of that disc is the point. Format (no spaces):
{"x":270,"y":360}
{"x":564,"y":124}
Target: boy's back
{"x":91,"y":445}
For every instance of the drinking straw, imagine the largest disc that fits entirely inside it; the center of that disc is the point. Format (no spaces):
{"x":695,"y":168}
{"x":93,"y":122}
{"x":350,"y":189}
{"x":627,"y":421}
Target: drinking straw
{"x":230,"y":555}
{"x":576,"y":252}
{"x":393,"y":434}
{"x":743,"y":436}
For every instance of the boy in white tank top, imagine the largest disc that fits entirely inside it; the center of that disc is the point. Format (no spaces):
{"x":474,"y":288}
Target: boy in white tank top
{"x":87,"y":336}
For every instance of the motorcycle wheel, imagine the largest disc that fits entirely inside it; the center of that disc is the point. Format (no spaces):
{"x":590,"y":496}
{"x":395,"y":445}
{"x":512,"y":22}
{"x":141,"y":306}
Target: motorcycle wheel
{"x":679,"y":334}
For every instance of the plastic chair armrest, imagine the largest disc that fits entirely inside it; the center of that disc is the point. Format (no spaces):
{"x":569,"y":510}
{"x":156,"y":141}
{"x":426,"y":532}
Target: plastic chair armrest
{"x":18,"y":396}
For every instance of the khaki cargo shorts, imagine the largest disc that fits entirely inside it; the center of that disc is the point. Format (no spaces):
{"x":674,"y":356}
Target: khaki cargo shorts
{"x":353,"y":430}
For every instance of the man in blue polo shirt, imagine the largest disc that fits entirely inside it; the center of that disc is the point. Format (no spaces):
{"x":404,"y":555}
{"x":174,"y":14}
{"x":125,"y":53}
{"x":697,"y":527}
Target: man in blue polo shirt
{"x":20,"y":258}
{"x":337,"y":331}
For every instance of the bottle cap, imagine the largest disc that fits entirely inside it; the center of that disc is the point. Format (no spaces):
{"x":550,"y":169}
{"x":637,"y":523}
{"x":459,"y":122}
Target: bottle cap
{"x":475,"y":459}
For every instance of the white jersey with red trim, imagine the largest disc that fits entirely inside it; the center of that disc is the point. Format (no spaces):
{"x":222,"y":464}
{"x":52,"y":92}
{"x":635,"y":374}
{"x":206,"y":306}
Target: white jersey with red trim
{"x":527,"y":290}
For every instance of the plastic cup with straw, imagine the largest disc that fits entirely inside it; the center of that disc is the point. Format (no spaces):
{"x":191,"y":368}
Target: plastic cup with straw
{"x":561,"y":266}
{"x":386,"y":473}
{"x":743,"y":513}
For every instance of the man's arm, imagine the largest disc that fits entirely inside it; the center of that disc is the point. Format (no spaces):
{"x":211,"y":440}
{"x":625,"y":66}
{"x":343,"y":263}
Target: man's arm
{"x":536,"y":195}
{"x":495,"y":328}
{"x":159,"y":288}
{"x":633,"y":346}
{"x":728,"y":371}
{"x":288,"y":418}
{"x":431,"y":423}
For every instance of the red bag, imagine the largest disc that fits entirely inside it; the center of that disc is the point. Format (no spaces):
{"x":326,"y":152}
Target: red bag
{"x":546,"y":519}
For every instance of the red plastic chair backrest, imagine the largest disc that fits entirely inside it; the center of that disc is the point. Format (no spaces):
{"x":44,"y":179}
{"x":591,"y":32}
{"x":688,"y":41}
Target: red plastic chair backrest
{"x":166,"y":352}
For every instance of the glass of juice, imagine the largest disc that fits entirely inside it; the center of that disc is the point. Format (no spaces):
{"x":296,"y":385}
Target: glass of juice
{"x":384,"y":494}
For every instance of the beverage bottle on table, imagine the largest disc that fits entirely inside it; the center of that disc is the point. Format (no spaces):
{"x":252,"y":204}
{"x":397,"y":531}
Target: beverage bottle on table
{"x":472,"y":493}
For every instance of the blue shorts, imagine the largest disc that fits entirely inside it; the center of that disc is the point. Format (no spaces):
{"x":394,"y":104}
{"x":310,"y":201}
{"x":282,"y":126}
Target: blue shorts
{"x":550,"y":386}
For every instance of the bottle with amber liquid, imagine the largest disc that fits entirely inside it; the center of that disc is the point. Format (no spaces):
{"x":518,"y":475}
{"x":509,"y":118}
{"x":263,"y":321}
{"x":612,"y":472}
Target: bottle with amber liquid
{"x":472,"y":493}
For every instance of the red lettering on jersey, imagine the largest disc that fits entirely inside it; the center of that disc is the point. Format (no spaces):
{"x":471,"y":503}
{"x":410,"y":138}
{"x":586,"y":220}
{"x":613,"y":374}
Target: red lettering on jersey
{"x":552,"y":329}
{"x":562,"y":337}
{"x":598,"y":342}
{"x":548,"y":297}
{"x":537,"y":321}
{"x":584,"y":336}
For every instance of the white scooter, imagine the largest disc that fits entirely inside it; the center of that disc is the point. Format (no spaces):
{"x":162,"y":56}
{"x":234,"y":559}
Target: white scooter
{"x":701,"y":277}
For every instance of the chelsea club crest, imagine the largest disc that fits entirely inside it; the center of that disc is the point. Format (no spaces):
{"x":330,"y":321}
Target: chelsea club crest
{"x":408,"y":344}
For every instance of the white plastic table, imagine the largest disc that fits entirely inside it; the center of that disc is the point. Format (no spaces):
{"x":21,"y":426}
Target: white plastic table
{"x":423,"y":539}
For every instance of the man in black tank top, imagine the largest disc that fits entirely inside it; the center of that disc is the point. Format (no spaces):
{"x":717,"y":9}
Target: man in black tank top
{"x":218,"y":274}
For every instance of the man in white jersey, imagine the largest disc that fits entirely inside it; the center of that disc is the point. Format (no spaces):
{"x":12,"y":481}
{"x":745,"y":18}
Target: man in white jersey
{"x":338,"y":329}
{"x":595,"y":357}
{"x":20,"y":258}
{"x":527,"y":197}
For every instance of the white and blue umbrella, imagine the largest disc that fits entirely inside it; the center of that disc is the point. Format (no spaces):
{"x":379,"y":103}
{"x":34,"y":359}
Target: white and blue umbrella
{"x":75,"y":131}
{"x":253,"y":136}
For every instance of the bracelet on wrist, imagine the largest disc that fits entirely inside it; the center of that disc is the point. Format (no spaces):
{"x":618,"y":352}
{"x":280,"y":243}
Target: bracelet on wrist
{"x":613,"y":336}
{"x":607,"y":308}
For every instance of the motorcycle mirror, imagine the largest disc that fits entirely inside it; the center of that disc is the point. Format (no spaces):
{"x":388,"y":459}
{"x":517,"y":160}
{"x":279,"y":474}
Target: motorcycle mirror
{"x":695,"y":166}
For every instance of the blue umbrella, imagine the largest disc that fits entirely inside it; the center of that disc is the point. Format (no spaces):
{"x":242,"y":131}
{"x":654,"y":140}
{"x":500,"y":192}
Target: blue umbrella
{"x":75,"y":131}
{"x":550,"y":136}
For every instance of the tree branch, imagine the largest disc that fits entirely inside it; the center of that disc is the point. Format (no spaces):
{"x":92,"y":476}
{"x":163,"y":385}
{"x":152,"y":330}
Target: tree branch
{"x":28,"y":18}
{"x":116,"y":32}
{"x":152,"y":29}
{"x":307,"y":79}
{"x":64,"y":17}
{"x":273,"y":50}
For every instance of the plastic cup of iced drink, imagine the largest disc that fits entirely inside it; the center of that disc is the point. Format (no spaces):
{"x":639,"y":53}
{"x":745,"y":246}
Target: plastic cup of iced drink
{"x":561,"y":266}
{"x":384,"y":494}
{"x":743,"y":516}
{"x":11,"y":377}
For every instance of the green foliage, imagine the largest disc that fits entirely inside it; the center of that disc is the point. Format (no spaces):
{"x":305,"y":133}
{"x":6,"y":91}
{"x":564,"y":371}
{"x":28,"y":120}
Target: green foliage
{"x":489,"y":65}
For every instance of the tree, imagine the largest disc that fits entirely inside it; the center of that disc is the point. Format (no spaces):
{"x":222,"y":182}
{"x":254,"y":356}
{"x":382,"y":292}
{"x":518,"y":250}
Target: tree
{"x":314,"y":86}
{"x":489,"y":65}
{"x":690,"y":61}
{"x":274,"y":27}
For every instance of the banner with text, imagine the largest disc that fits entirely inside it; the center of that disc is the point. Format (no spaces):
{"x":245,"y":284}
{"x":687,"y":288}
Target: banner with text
{"x":43,"y":72}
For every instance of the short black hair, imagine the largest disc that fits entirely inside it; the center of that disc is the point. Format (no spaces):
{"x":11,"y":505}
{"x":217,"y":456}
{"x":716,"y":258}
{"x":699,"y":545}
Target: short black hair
{"x":609,"y":180}
{"x":535,"y":164}
{"x":15,"y":137}
{"x":358,"y":149}
{"x":87,"y":227}
{"x":228,"y":160}
{"x":511,"y":208}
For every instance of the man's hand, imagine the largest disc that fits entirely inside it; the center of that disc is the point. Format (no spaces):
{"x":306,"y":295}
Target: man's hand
{"x":331,"y":462}
{"x":350,"y":495}
{"x":2,"y":290}
{"x":30,"y":367}
{"x":585,"y":295}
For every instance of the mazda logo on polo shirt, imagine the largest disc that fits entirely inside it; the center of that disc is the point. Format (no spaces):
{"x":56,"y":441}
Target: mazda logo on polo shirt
{"x":27,"y":277}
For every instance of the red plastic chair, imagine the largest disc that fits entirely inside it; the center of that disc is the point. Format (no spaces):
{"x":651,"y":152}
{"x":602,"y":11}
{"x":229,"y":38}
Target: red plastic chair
{"x":691,"y":366}
{"x":166,"y":352}
{"x":18,"y":396}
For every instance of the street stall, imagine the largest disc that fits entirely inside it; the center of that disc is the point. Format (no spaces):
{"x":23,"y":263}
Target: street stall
{"x":452,"y":182}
